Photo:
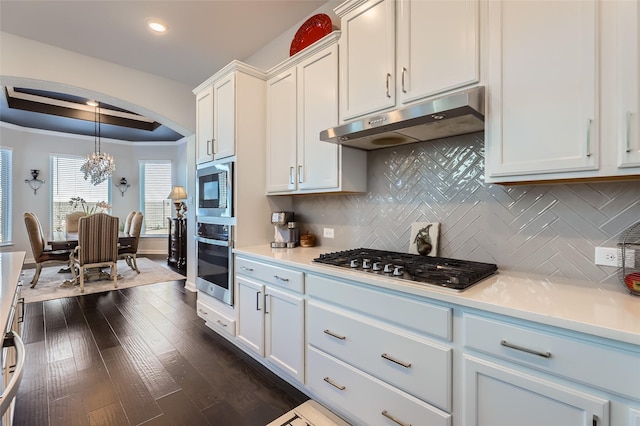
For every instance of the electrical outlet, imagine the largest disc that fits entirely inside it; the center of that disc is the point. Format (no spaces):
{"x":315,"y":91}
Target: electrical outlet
{"x":327,"y":232}
{"x":606,"y":256}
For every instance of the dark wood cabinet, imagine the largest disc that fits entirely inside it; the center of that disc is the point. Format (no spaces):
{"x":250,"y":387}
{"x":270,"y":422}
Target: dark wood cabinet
{"x":177,"y":243}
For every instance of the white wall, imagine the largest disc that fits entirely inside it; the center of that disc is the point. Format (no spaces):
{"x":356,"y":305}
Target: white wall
{"x":27,"y":63}
{"x":32,"y":149}
{"x":277,"y":50}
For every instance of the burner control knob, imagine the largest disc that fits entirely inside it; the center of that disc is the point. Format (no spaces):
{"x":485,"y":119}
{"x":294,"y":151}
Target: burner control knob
{"x":388,"y":268}
{"x":366,"y":264}
{"x":354,"y":263}
{"x":398,"y":271}
{"x":377,"y":266}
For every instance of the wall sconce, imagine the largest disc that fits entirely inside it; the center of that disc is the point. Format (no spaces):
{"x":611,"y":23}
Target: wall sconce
{"x":177,"y":195}
{"x":34,"y":183}
{"x":123,"y":186}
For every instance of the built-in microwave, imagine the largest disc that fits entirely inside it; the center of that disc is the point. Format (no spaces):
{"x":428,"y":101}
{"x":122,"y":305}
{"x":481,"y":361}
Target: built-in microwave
{"x":214,"y":190}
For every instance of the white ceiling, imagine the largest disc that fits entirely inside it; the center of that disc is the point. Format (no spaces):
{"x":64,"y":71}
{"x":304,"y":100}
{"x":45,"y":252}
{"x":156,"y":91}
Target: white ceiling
{"x":203,"y":36}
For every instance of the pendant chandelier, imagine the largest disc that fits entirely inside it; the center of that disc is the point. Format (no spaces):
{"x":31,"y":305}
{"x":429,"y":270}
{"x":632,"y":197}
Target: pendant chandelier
{"x":99,"y":165}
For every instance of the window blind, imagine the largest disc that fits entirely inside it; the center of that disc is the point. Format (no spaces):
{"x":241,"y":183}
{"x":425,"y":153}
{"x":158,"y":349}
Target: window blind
{"x":155,"y":184}
{"x":6,"y":188}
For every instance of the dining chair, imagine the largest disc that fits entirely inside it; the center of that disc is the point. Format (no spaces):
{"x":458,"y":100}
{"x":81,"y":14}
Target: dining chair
{"x":72,"y":221}
{"x":97,"y":246}
{"x":39,"y":248}
{"x":127,"y":222}
{"x":129,"y":253}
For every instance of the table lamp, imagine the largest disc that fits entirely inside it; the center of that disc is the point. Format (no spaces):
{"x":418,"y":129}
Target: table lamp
{"x":177,"y":195}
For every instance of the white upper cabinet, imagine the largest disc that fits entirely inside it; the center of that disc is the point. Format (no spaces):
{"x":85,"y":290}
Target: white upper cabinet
{"x":542,"y":88}
{"x":224,"y":117}
{"x":227,"y":104}
{"x":367,"y":57}
{"x":204,"y":125}
{"x":302,"y":100}
{"x":281,"y":131}
{"x":627,"y":93}
{"x":562,"y":103}
{"x":437,"y":47}
{"x":436,"y":43}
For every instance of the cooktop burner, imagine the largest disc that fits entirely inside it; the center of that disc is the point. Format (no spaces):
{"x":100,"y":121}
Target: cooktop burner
{"x":450,"y":273}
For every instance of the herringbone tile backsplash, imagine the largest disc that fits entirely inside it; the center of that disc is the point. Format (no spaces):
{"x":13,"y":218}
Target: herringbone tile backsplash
{"x":546,"y":229}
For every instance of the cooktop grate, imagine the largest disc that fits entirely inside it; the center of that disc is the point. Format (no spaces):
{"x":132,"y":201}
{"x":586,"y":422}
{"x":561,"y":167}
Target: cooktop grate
{"x":450,"y":273}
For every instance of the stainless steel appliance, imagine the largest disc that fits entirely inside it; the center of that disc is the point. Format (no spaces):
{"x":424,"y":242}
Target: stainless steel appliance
{"x":214,"y":189}
{"x":450,"y":115}
{"x":215,"y":260}
{"x":286,"y":233}
{"x":448,"y":273}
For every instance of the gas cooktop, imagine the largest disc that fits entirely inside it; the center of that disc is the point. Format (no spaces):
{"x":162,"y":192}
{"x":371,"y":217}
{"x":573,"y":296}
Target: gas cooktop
{"x":449,"y":273}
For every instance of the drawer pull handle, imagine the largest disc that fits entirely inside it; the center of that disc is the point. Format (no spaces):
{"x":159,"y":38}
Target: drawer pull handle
{"x":404,"y":364}
{"x":281,"y":279}
{"x":244,"y":268}
{"x":332,"y":334}
{"x":527,"y":350}
{"x":334,"y":384}
{"x":203,"y":312}
{"x":394,"y":419}
{"x":221,"y":323}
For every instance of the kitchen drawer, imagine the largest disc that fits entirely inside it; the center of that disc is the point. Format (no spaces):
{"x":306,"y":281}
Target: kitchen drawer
{"x":282,"y":277}
{"x":613,"y":369}
{"x":366,"y":398}
{"x":416,"y":366}
{"x":216,"y":320}
{"x":414,"y":314}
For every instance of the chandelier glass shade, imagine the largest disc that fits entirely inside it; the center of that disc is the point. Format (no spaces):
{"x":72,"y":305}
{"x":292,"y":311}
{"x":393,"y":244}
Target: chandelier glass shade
{"x":99,"y":166}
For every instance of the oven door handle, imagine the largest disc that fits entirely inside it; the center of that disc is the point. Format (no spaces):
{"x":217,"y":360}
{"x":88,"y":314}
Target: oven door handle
{"x":221,"y":243}
{"x":12,"y":339}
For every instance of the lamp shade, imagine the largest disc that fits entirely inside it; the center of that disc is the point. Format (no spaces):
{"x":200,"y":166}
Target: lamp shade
{"x":177,"y":193}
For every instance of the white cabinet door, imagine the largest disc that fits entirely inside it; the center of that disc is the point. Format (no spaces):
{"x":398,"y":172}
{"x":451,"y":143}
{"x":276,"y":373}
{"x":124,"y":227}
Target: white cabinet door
{"x":500,"y":396}
{"x":224,"y":117}
{"x":628,"y":82}
{"x":542,"y":88}
{"x":281,"y":132}
{"x":437,"y":46}
{"x":251,"y":314}
{"x":318,"y":161}
{"x":284,"y":330}
{"x":204,"y":125}
{"x":367,"y":57}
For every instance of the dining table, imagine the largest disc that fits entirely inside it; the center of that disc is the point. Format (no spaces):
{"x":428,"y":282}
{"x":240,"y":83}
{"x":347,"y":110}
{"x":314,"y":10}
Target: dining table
{"x":69,"y":241}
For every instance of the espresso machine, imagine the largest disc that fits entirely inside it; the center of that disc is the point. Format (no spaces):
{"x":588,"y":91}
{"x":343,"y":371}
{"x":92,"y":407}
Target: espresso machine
{"x":286,"y":230}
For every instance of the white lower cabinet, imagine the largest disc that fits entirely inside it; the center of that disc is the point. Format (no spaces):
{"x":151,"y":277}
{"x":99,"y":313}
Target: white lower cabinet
{"x":271,"y":317}
{"x":501,"y":396}
{"x":369,"y":365}
{"x":365,"y":398}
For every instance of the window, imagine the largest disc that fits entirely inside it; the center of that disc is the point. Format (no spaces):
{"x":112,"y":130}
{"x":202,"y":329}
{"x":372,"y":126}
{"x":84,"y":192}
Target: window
{"x":155,"y":186}
{"x":67,"y":181}
{"x":6,"y":186}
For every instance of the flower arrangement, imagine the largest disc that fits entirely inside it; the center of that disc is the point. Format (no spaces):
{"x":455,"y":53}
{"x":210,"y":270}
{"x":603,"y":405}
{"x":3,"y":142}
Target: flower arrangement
{"x":100,"y":206}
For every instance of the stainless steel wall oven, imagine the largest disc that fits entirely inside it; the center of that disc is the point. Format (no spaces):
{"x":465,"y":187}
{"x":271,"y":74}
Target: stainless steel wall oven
{"x":215,"y":259}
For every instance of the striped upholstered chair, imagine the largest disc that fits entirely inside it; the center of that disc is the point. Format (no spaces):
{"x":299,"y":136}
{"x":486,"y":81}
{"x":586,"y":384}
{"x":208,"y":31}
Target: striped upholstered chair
{"x":97,"y":246}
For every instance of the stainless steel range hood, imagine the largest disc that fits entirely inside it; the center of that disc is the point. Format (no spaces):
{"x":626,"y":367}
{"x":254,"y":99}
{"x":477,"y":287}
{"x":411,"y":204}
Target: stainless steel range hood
{"x":451,"y":115}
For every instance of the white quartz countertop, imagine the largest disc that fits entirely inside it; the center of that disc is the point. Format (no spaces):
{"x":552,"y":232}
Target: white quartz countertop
{"x":10,"y":267}
{"x":603,"y":310}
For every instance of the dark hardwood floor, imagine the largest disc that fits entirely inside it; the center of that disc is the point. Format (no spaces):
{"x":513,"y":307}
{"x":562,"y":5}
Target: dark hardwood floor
{"x":140,"y":356}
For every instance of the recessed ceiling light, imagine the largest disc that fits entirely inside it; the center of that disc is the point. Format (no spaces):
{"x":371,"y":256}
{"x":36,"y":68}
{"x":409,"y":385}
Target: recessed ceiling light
{"x":92,"y":103}
{"x":157,"y":26}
